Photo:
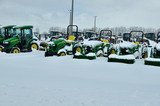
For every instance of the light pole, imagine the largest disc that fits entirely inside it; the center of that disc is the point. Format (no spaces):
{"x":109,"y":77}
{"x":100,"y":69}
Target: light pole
{"x":71,"y":16}
{"x":95,"y":19}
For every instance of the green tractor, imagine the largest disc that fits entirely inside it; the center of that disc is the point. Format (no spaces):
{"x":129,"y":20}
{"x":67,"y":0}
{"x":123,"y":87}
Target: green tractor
{"x":61,"y":46}
{"x":154,"y":54}
{"x":96,"y":46}
{"x":22,"y":40}
{"x":129,"y":49}
{"x":5,"y":33}
{"x":108,"y":40}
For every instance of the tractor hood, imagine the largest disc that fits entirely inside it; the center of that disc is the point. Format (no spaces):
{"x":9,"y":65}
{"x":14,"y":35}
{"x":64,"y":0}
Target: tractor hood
{"x":127,"y":45}
{"x":12,"y":40}
{"x":92,"y":43}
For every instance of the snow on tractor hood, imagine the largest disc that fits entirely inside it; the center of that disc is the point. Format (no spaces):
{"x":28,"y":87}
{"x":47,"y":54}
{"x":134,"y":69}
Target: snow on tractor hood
{"x":92,"y":43}
{"x":158,"y":46}
{"x":125,"y":44}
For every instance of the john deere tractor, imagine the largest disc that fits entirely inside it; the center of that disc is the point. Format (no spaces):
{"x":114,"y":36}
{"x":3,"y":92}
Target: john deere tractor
{"x":61,"y":46}
{"x":5,"y":33}
{"x":154,"y":54}
{"x":21,"y":41}
{"x":108,"y":39}
{"x":130,"y":48}
{"x":93,"y":46}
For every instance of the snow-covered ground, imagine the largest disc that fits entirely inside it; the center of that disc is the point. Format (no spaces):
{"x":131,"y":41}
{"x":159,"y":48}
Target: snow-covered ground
{"x":30,"y":79}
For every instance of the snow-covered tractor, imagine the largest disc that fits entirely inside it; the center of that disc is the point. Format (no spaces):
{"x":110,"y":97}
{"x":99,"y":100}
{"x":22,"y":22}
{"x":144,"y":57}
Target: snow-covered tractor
{"x":129,"y":49}
{"x":61,"y":46}
{"x":92,"y":48}
{"x":154,"y":54}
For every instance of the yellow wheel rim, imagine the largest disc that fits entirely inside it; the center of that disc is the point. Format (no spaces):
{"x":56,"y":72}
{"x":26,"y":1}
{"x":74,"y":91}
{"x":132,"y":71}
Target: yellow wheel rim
{"x":112,"y":51}
{"x":62,"y":54}
{"x":15,"y":51}
{"x":34,"y":46}
{"x":145,"y":55}
{"x":1,"y":49}
{"x":78,"y":49}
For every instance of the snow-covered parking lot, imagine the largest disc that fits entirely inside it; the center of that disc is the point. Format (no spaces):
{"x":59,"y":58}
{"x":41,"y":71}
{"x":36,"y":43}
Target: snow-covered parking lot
{"x":30,"y":79}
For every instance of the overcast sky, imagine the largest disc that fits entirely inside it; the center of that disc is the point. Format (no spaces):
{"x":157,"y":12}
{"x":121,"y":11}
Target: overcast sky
{"x":110,"y":13}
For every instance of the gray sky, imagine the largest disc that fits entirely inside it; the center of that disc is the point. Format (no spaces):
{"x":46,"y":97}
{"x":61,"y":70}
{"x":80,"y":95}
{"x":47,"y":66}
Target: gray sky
{"x":110,"y":13}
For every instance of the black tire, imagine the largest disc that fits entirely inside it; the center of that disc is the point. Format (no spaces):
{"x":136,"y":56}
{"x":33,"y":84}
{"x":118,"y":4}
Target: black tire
{"x":1,"y":48}
{"x":15,"y":50}
{"x":34,"y":46}
{"x":62,"y":54}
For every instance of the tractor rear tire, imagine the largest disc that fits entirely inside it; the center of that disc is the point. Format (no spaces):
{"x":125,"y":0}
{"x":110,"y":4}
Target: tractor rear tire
{"x":34,"y":46}
{"x":15,"y":50}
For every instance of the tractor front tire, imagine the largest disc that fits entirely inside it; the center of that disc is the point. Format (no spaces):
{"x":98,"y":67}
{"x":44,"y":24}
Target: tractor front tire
{"x":100,"y":53}
{"x":62,"y":54}
{"x":15,"y":50}
{"x":1,"y":48}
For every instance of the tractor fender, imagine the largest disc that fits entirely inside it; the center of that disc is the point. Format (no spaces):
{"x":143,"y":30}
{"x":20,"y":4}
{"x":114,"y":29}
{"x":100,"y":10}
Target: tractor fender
{"x":38,"y":43}
{"x":77,"y":45}
{"x":62,"y":50}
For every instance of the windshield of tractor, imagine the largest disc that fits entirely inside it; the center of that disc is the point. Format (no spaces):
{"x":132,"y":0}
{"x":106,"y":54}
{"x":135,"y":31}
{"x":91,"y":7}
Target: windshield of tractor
{"x":17,"y":32}
{"x":27,"y":32}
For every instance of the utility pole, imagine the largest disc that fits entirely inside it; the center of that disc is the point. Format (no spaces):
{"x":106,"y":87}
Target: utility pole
{"x":71,"y":17}
{"x":95,"y":19}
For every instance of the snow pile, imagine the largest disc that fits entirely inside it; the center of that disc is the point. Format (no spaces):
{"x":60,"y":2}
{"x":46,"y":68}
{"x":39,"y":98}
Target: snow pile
{"x":125,"y":44}
{"x":153,"y":59}
{"x":158,"y":46}
{"x":127,"y":57}
{"x":90,"y":54}
{"x":30,"y":79}
{"x":92,"y":43}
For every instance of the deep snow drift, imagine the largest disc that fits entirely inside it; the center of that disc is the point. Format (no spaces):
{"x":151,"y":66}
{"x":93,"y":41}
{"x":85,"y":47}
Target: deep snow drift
{"x":30,"y":79}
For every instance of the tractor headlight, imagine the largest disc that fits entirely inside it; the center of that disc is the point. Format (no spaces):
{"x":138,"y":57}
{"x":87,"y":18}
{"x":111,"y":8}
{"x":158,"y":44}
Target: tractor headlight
{"x":6,"y":43}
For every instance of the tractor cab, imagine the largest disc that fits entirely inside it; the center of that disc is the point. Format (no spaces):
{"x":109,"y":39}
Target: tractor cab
{"x":7,"y":31}
{"x":24,"y":33}
{"x":150,"y":36}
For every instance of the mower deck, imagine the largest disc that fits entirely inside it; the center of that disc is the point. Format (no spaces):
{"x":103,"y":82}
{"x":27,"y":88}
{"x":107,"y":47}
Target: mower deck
{"x":152,"y":61}
{"x":128,"y":59}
